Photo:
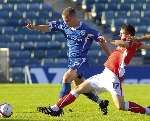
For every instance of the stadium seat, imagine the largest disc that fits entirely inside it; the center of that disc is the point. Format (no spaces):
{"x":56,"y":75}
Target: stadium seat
{"x":35,"y":7}
{"x":141,"y":29}
{"x":32,"y":15}
{"x":8,"y":30}
{"x":28,"y":45}
{"x":6,"y":7}
{"x":19,"y":38}
{"x":133,"y":21}
{"x":87,"y":5}
{"x":121,"y":14}
{"x":134,"y":14}
{"x":3,"y":22}
{"x":21,"y":7}
{"x":56,"y":54}
{"x":47,"y":7}
{"x":138,"y":7}
{"x":124,"y":7}
{"x":4,"y":14}
{"x":40,"y":54}
{"x":112,"y":7}
{"x":16,"y":15}
{"x":17,"y":54}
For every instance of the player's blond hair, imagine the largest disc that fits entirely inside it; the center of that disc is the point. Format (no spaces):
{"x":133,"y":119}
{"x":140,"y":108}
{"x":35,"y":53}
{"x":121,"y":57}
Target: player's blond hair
{"x":69,"y":11}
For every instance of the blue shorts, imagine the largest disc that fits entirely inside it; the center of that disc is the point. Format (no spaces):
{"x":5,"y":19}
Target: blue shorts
{"x":80,"y":65}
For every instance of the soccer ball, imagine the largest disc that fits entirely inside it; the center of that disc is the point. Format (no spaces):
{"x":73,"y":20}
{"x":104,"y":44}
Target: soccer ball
{"x":6,"y":110}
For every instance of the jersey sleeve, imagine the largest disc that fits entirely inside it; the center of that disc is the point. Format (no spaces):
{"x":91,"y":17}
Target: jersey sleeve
{"x":96,"y":35}
{"x":136,"y":44}
{"x":55,"y":25}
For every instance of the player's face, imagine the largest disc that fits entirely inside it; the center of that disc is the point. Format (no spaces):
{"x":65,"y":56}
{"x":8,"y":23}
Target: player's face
{"x":123,"y":34}
{"x":67,"y":19}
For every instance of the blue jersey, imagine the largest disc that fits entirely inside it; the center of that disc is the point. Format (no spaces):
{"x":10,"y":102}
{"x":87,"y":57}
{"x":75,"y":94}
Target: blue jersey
{"x":79,"y":39}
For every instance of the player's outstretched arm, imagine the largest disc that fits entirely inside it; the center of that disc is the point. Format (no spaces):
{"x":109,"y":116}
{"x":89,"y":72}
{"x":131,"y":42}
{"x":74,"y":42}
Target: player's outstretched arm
{"x":142,"y":38}
{"x":145,"y":47}
{"x":42,"y":28}
{"x":104,"y":45}
{"x":119,"y":43}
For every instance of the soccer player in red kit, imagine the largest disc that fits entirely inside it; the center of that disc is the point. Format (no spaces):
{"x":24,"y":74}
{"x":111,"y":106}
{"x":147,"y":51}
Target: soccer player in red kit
{"x":111,"y":77}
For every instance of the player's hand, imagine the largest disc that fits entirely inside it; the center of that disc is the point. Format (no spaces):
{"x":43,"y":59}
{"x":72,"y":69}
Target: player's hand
{"x":102,"y":39}
{"x":30,"y":26}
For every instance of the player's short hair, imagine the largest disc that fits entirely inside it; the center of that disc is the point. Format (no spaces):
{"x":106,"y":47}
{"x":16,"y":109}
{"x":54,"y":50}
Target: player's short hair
{"x":130,"y":29}
{"x":69,"y":11}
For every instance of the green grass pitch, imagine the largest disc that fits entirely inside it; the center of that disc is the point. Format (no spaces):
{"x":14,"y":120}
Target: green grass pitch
{"x":25,"y":99}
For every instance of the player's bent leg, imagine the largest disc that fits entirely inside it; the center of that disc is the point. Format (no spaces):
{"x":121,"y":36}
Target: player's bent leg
{"x":66,"y":82}
{"x":68,"y":99}
{"x":129,"y":106}
{"x":103,"y":104}
{"x":118,"y":101}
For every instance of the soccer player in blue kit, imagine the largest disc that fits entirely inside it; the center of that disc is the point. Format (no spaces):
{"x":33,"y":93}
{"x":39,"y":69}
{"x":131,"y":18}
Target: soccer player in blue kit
{"x":79,"y":40}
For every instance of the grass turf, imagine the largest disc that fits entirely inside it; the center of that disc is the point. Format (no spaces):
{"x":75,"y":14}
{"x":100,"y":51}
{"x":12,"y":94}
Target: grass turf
{"x":25,"y":99}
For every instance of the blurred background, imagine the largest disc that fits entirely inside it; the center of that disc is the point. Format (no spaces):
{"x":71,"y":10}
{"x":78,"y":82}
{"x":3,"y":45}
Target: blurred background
{"x":35,"y":57}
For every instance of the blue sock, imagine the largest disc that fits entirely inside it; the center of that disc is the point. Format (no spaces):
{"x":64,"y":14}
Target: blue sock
{"x":93,"y":97}
{"x":65,"y":89}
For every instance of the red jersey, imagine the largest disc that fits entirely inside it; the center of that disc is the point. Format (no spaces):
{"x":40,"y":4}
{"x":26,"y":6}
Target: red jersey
{"x":121,"y":57}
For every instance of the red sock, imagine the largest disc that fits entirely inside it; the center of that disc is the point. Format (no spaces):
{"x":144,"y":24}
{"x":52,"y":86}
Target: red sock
{"x":133,"y":107}
{"x":66,"y":100}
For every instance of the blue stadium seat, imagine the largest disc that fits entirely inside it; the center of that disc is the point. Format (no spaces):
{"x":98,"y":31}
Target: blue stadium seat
{"x":112,"y":7}
{"x":42,"y":45}
{"x":45,"y":14}
{"x":21,"y":7}
{"x":56,"y":54}
{"x":32,"y":15}
{"x":4,"y":14}
{"x":17,"y":74}
{"x":5,"y":38}
{"x":144,"y":21}
{"x":34,"y":62}
{"x":109,"y":14}
{"x":14,"y":46}
{"x":124,"y":7}
{"x":55,"y":62}
{"x":135,"y":14}
{"x":148,"y":6}
{"x":121,"y":14}
{"x":39,"y":54}
{"x":7,"y":7}
{"x":46,"y":38}
{"x":138,"y":6}
{"x":3,"y":22}
{"x":19,"y":38}
{"x":46,"y":45}
{"x":133,"y":21}
{"x":118,"y":22}
{"x":17,"y":54}
{"x":128,"y":1}
{"x":55,"y":16}
{"x":16,"y":15}
{"x":9,"y":30}
{"x":142,"y":29}
{"x":147,"y":13}
{"x":46,"y":7}
{"x":87,"y":5}
{"x":32,"y":38}
{"x":28,"y":45}
{"x":35,"y":7}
